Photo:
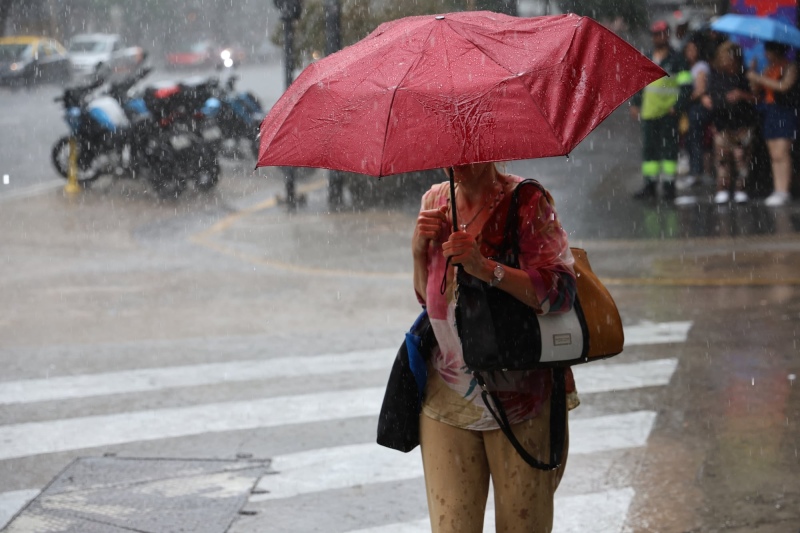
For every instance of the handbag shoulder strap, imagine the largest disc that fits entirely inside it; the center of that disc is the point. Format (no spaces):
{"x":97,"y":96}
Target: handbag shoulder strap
{"x":510,"y":233}
{"x":558,"y":421}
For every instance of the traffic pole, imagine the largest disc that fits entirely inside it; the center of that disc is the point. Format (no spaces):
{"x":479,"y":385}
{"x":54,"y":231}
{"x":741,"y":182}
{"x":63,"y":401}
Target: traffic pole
{"x":333,"y":43}
{"x":72,"y":186}
{"x":288,"y":55}
{"x":290,"y":11}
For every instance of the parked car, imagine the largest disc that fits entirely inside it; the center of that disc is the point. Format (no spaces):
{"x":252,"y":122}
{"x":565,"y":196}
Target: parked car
{"x":197,"y":54}
{"x":232,"y":55}
{"x":26,"y":60}
{"x":103,"y":54}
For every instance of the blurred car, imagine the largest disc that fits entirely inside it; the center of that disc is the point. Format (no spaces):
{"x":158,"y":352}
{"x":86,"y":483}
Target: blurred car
{"x":197,"y":54}
{"x":232,"y":55}
{"x":102,"y":54}
{"x":25,"y":60}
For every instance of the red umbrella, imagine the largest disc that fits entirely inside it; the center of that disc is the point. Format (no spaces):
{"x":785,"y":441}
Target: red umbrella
{"x":441,"y":90}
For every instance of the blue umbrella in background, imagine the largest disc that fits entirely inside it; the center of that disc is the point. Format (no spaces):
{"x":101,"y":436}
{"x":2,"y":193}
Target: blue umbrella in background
{"x":761,"y":28}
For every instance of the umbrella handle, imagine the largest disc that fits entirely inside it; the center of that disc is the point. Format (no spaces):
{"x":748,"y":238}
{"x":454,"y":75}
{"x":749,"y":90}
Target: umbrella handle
{"x":450,"y":173}
{"x":453,"y":198}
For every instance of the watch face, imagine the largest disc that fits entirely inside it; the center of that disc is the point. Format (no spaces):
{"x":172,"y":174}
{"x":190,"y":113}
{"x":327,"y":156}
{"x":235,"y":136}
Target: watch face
{"x":499,"y":272}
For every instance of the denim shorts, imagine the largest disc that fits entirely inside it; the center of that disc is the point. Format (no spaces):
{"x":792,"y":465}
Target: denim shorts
{"x":778,"y":122}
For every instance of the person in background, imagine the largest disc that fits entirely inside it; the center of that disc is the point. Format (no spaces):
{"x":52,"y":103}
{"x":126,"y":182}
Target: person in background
{"x":657,"y":107}
{"x":695,"y":53}
{"x":777,"y":89}
{"x":733,"y":114}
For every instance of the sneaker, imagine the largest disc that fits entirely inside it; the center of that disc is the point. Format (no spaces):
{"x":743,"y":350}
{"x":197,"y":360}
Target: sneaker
{"x":685,"y":183}
{"x":685,"y":200}
{"x":740,"y":197}
{"x":777,"y":199}
{"x":722,"y":197}
{"x":647,"y":192}
{"x":668,"y":190}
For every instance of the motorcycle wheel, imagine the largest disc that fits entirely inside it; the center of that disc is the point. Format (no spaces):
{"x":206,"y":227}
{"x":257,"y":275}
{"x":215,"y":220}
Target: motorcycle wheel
{"x":168,"y":185}
{"x":60,"y":157}
{"x":207,"y":177}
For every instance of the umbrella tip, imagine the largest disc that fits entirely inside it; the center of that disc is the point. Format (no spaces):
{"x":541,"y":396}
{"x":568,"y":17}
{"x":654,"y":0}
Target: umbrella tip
{"x":440,"y":17}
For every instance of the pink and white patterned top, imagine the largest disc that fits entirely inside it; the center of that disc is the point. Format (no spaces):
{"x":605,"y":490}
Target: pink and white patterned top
{"x":452,"y":394}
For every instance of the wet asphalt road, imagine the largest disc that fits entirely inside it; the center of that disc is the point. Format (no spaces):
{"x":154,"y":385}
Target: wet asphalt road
{"x":116,"y":281}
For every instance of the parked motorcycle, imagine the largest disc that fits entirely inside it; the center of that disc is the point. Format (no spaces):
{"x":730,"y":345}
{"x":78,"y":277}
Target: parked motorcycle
{"x":239,"y":117}
{"x":99,"y":128}
{"x":155,"y":133}
{"x":117,"y":136}
{"x":182,"y":112}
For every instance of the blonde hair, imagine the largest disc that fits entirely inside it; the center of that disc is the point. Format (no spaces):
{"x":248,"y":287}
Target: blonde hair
{"x":727,"y":50}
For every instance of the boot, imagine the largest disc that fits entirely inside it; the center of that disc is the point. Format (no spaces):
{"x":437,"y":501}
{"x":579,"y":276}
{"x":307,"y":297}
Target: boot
{"x":648,"y":192}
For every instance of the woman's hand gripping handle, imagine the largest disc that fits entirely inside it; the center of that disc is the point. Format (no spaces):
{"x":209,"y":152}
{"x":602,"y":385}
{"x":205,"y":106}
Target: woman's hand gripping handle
{"x":429,"y":228}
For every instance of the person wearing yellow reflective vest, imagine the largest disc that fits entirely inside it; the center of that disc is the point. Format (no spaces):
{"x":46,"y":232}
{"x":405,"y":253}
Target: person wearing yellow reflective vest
{"x":658,"y":107}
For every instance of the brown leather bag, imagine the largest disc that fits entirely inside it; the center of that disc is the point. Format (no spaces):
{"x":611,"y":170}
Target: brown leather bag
{"x":600,"y":312}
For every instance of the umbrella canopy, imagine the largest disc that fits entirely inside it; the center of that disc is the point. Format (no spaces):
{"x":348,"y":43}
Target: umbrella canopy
{"x":441,"y":90}
{"x":761,"y":28}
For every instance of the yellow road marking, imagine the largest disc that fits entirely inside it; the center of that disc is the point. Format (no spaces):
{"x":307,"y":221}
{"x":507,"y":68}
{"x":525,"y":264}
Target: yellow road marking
{"x":225,"y":223}
{"x":698,"y":282}
{"x":205,"y":239}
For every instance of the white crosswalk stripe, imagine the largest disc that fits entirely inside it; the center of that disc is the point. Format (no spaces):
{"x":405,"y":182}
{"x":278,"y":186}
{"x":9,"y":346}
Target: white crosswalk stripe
{"x":603,"y":511}
{"x":153,"y":379}
{"x":11,"y":502}
{"x":337,"y":468}
{"x":362,"y":464}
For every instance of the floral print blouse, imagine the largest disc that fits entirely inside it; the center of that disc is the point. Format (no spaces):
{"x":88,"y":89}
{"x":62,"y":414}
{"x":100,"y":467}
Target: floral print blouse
{"x":452,"y":394}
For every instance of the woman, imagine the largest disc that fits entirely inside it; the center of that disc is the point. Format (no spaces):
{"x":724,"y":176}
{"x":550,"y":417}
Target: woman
{"x":698,"y":114}
{"x":732,"y":112}
{"x":776,"y":87}
{"x":462,"y":447}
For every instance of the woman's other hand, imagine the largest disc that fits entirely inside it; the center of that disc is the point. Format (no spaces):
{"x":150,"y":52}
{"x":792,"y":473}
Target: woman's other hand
{"x":707,"y":102}
{"x":464,"y":250}
{"x":428,"y":229}
{"x":735,"y":96}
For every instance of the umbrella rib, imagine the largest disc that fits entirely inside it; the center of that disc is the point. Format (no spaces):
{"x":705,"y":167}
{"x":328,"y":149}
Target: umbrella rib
{"x":552,"y":130}
{"x":479,"y":47}
{"x":391,"y":104}
{"x":516,"y":76}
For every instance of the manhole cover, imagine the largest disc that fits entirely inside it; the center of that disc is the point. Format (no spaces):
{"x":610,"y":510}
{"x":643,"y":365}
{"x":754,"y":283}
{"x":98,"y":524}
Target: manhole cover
{"x":112,"y":494}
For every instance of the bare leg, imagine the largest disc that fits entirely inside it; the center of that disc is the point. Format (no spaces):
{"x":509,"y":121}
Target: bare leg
{"x":523,"y":495}
{"x":780,"y":154}
{"x":456,"y":476}
{"x":722,"y":161}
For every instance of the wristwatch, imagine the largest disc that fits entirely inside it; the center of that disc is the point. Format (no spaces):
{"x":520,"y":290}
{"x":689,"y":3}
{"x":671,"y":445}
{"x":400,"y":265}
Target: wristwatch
{"x":498,"y":274}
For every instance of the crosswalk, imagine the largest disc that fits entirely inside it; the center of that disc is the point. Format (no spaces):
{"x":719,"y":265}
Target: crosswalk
{"x":584,"y":502}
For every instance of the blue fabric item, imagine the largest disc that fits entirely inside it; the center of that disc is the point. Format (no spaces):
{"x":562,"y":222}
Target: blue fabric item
{"x":761,"y":28}
{"x":415,"y":359}
{"x":779,"y":122}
